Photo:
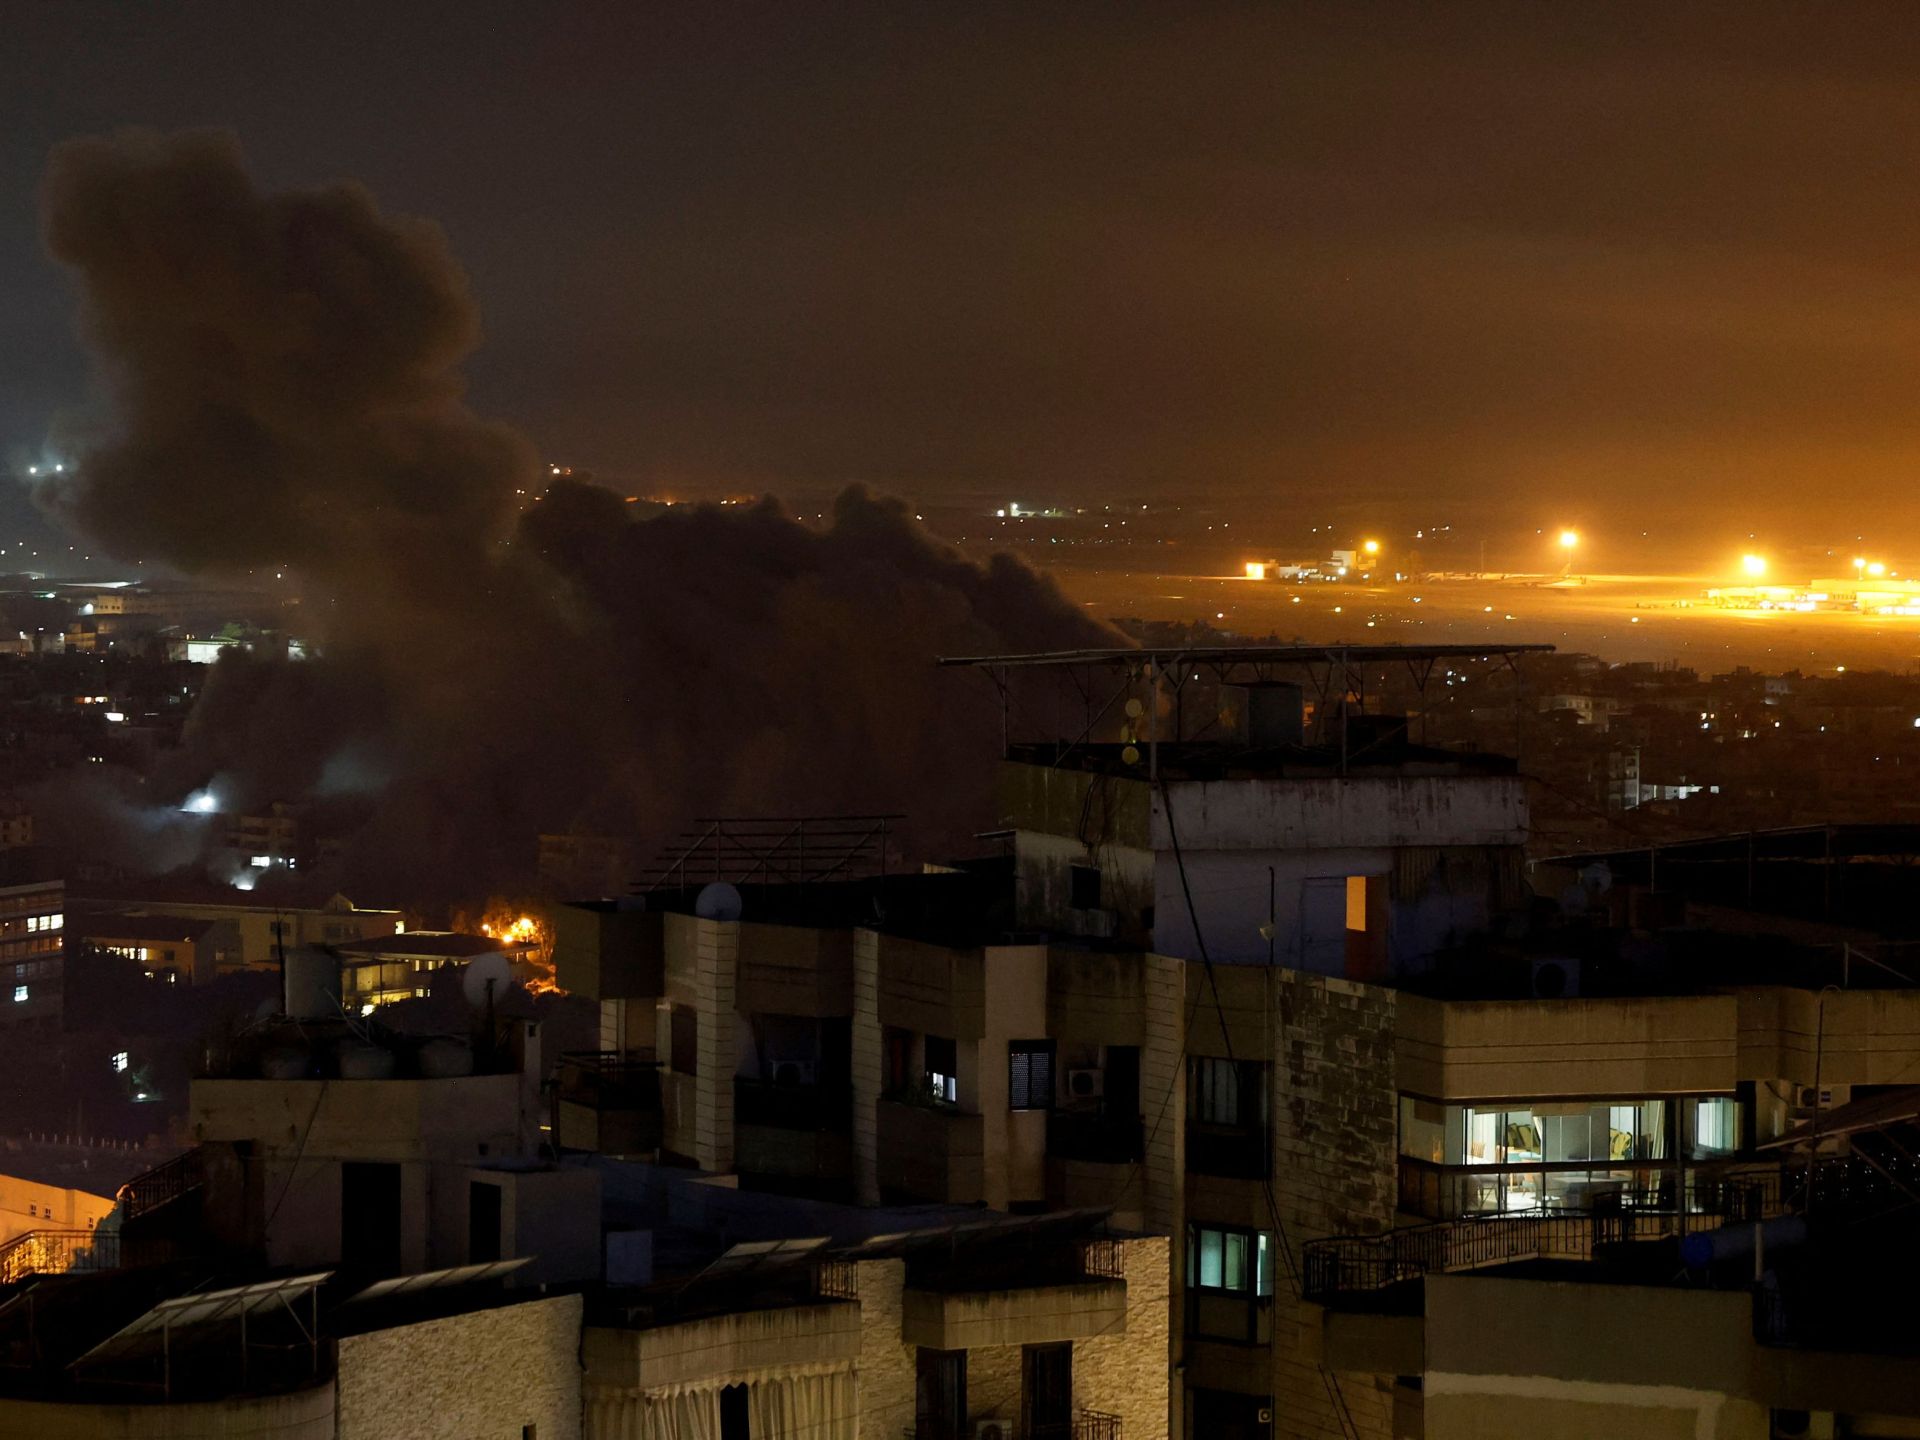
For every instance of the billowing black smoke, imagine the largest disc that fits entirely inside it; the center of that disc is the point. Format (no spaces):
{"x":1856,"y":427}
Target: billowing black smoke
{"x":283,"y":371}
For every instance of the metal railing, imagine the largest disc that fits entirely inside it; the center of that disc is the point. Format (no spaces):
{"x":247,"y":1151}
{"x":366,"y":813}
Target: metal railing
{"x":609,"y":1079}
{"x":1232,"y":1154}
{"x":1099,"y":1139}
{"x":163,"y":1184}
{"x":57,"y":1252}
{"x":1353,"y":1264}
{"x":1103,"y":1260}
{"x":827,"y":1107}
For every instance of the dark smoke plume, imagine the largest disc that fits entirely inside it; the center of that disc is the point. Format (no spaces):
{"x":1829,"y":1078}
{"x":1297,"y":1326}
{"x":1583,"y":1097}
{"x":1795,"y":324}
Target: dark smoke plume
{"x":283,"y":372}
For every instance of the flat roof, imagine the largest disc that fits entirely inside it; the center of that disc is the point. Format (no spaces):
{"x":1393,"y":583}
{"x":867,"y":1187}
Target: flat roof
{"x":437,"y":946}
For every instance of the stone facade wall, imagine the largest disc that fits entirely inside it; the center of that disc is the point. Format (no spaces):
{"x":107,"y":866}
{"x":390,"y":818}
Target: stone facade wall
{"x":1335,"y":1129}
{"x":886,"y":1363}
{"x":1125,"y":1373}
{"x":488,"y":1372}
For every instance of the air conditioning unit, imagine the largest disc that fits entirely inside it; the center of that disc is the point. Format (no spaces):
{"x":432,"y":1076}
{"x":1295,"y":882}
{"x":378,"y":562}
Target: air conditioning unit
{"x":990,"y":1430}
{"x":1095,"y":924}
{"x":1803,"y":1097}
{"x":793,"y":1072}
{"x":1086,"y":1084}
{"x":1556,"y":979}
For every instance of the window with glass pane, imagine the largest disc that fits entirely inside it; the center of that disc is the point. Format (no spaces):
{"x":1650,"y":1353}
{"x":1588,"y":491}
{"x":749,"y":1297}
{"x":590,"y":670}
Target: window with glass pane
{"x":1230,"y":1093}
{"x":1423,"y":1129}
{"x":1716,"y":1127}
{"x":1238,"y":1261}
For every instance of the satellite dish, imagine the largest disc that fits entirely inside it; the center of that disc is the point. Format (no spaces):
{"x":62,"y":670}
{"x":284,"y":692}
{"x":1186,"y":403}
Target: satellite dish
{"x":1597,"y":877}
{"x":718,"y":901}
{"x":484,"y":974}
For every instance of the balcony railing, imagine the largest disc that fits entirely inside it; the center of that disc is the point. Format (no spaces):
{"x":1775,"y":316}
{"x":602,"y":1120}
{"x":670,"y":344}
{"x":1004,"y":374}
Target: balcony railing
{"x":57,"y":1252}
{"x":1354,"y":1264}
{"x":1454,"y":1192}
{"x":1234,"y":1154}
{"x":163,"y":1184}
{"x":825,"y":1107}
{"x":1098,"y":1139}
{"x":609,"y":1080}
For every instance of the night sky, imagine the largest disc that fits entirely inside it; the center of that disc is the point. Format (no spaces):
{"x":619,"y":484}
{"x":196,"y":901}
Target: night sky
{"x":1530,"y":258}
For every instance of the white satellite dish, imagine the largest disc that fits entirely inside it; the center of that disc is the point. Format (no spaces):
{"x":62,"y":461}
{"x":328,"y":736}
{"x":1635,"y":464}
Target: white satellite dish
{"x":491,"y":972}
{"x":1597,"y":878}
{"x":718,"y":901}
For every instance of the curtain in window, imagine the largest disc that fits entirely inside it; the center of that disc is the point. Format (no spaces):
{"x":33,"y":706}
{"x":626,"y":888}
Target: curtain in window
{"x":803,"y":1407}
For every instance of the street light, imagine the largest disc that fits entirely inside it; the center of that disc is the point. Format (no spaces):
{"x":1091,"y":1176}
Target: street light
{"x":1569,"y":539}
{"x":1372,"y":547}
{"x":1754,"y":565}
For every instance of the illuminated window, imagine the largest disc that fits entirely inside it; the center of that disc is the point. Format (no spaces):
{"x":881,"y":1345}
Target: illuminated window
{"x":19,"y":993}
{"x":943,"y":1067}
{"x":120,"y":1062}
{"x":1356,"y":902}
{"x":1239,"y":1261}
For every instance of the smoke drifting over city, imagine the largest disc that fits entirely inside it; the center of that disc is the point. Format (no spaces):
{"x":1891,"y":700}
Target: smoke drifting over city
{"x":283,"y":381}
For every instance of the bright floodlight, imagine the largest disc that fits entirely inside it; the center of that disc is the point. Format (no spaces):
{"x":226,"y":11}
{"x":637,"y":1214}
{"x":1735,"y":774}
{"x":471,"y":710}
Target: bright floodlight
{"x":1256,"y":570}
{"x":1876,"y":569}
{"x":1754,"y":565}
{"x":1372,"y":547}
{"x":1569,"y":539}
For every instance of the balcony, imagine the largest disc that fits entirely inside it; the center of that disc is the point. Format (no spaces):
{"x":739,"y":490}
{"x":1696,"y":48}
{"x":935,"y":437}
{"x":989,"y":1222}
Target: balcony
{"x":796,"y":1132}
{"x":1041,"y":1293}
{"x":931,"y":1152}
{"x":1360,"y":1269}
{"x":1095,"y":1139}
{"x":608,"y":1102}
{"x":1452,"y":1192}
{"x":1232,"y":1154}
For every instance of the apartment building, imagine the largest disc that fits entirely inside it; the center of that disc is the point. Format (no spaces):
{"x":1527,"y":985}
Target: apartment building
{"x":1254,"y":993}
{"x":32,"y":942}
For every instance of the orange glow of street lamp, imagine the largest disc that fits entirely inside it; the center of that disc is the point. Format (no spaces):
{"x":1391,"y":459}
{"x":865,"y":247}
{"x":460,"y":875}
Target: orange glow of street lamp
{"x":1372,"y":547}
{"x":1754,"y":565}
{"x":1569,"y":539}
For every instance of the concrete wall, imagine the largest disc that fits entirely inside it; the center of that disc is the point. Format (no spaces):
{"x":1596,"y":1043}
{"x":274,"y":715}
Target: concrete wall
{"x":485,"y":1373}
{"x":1014,"y":1141}
{"x":1464,"y":1050}
{"x":305,"y":1415}
{"x":1525,"y":1358}
{"x":1490,"y":1049}
{"x":30,"y":1205}
{"x":697,"y":1110}
{"x":1363,"y":812}
{"x":304,"y":1130}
